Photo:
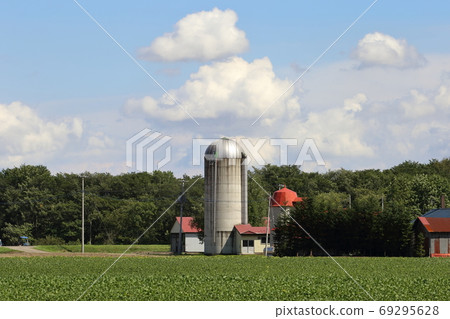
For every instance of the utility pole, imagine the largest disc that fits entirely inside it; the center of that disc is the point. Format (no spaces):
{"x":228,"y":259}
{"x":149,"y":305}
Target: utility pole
{"x":350,"y":200}
{"x":82,"y":214}
{"x":267,"y":227}
{"x":180,"y":235}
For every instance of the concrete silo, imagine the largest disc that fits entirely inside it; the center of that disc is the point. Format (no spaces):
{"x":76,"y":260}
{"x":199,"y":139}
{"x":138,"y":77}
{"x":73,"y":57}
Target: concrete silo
{"x":225,"y":194}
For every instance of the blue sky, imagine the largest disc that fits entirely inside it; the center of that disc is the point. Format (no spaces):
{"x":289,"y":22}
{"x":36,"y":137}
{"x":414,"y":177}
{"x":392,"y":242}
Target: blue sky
{"x":70,"y":97}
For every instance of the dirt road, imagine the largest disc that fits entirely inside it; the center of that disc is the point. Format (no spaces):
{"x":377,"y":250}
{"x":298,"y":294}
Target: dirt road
{"x":27,"y":249}
{"x":30,"y":251}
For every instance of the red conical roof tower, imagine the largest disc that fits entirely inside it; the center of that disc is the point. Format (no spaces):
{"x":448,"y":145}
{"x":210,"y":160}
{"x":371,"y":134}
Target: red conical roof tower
{"x":284,"y":197}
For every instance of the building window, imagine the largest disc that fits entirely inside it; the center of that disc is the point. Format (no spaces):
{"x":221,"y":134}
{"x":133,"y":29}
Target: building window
{"x":248,"y":243}
{"x":263,"y":239}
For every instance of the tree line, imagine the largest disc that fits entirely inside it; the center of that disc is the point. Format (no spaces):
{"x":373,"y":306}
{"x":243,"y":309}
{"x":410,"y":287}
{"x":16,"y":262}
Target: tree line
{"x":352,"y":212}
{"x":368,"y":212}
{"x":47,"y":208}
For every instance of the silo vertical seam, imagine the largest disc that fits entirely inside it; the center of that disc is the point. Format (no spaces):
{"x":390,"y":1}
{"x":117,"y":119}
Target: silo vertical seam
{"x":215,"y":199}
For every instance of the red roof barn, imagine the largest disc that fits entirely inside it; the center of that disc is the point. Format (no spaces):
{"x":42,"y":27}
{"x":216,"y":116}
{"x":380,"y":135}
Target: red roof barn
{"x":435,"y":226}
{"x":190,"y":241}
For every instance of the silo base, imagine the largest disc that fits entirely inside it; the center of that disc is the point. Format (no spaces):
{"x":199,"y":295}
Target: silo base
{"x":222,"y":245}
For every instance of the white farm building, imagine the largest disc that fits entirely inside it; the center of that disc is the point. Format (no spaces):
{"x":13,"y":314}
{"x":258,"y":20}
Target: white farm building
{"x":190,"y":240}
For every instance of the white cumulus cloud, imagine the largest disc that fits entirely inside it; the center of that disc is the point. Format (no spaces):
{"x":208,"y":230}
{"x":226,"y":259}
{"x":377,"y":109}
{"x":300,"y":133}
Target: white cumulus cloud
{"x":443,"y":97}
{"x":378,"y":49}
{"x":354,"y":103}
{"x":235,"y":87}
{"x":26,"y":136}
{"x":418,"y":105}
{"x":337,"y":131}
{"x":202,"y":36}
{"x":100,"y":141}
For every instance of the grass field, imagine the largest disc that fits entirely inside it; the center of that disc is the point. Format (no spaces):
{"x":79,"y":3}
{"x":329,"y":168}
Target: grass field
{"x":5,"y":250}
{"x":223,"y":278}
{"x":104,"y":248}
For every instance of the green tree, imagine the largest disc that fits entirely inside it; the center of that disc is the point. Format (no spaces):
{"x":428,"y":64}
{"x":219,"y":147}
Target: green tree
{"x":419,"y":245}
{"x":427,"y":190}
{"x":12,"y":233}
{"x":258,"y":200}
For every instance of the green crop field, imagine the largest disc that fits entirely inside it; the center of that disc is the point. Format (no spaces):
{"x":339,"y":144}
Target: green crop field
{"x":223,"y":278}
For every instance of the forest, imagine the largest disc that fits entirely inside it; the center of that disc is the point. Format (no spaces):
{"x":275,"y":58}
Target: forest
{"x":365,"y":212}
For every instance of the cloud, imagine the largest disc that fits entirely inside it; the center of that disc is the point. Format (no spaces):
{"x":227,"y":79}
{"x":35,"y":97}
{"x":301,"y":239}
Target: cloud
{"x":337,"y":131}
{"x":26,"y":136}
{"x":201,"y":36}
{"x":413,"y":126}
{"x":418,"y":105}
{"x":354,"y":104}
{"x":443,"y":97}
{"x":100,"y":141}
{"x":358,"y":118}
{"x":377,"y":49}
{"x":234,"y":87}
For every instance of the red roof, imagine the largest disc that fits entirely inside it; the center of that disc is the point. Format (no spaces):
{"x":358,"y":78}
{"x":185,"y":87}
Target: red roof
{"x":436,"y":224}
{"x":187,"y":225}
{"x":247,"y":229}
{"x":284,"y":197}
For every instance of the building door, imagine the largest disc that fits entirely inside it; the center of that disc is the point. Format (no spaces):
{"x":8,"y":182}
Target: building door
{"x":436,"y":246}
{"x":251,"y":246}
{"x":248,"y":246}
{"x":443,"y":244}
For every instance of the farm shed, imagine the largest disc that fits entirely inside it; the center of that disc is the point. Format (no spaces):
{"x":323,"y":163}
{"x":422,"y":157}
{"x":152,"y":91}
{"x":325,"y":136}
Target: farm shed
{"x":249,"y":239}
{"x":435,"y":226}
{"x":190,"y":241}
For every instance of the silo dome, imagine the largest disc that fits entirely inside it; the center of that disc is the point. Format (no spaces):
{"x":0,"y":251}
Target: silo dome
{"x":224,"y":148}
{"x":225,"y":194}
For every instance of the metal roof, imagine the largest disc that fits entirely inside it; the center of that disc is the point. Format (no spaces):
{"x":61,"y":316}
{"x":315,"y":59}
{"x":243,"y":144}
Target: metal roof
{"x":224,"y":148}
{"x":436,"y":224}
{"x":187,"y":225}
{"x":247,"y":229}
{"x":438,"y":213}
{"x":284,"y":197}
